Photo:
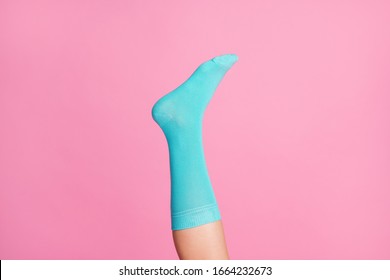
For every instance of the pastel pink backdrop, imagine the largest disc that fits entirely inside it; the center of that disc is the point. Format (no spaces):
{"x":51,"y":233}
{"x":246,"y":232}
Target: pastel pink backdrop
{"x":296,"y":138}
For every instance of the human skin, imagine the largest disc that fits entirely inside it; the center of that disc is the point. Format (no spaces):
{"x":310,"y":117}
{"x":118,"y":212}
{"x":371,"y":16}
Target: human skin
{"x":205,"y":242}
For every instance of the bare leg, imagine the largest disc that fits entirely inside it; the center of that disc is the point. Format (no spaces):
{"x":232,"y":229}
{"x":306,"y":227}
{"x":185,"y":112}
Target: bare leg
{"x":206,"y":242}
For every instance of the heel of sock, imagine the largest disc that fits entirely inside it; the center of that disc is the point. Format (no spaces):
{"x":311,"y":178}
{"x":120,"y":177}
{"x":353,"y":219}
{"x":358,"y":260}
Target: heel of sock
{"x":160,"y":113}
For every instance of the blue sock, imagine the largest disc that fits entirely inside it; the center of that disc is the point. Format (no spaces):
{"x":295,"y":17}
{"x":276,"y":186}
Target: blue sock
{"x":179,"y":114}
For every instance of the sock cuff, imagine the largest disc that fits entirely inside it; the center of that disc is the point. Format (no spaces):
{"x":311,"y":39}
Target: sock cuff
{"x":195,"y":217}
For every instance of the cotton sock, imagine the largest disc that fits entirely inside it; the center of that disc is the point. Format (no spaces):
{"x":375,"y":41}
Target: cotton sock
{"x":179,"y":114}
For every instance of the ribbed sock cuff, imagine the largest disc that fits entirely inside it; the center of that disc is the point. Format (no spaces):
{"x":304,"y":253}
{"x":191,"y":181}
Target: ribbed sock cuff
{"x":195,"y":217}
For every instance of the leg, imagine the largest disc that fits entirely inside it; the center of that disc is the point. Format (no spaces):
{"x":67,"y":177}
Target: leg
{"x":193,"y":204}
{"x":206,"y":242}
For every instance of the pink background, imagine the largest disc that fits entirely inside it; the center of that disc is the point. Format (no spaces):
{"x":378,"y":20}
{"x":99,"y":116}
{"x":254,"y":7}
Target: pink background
{"x":296,"y":138}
